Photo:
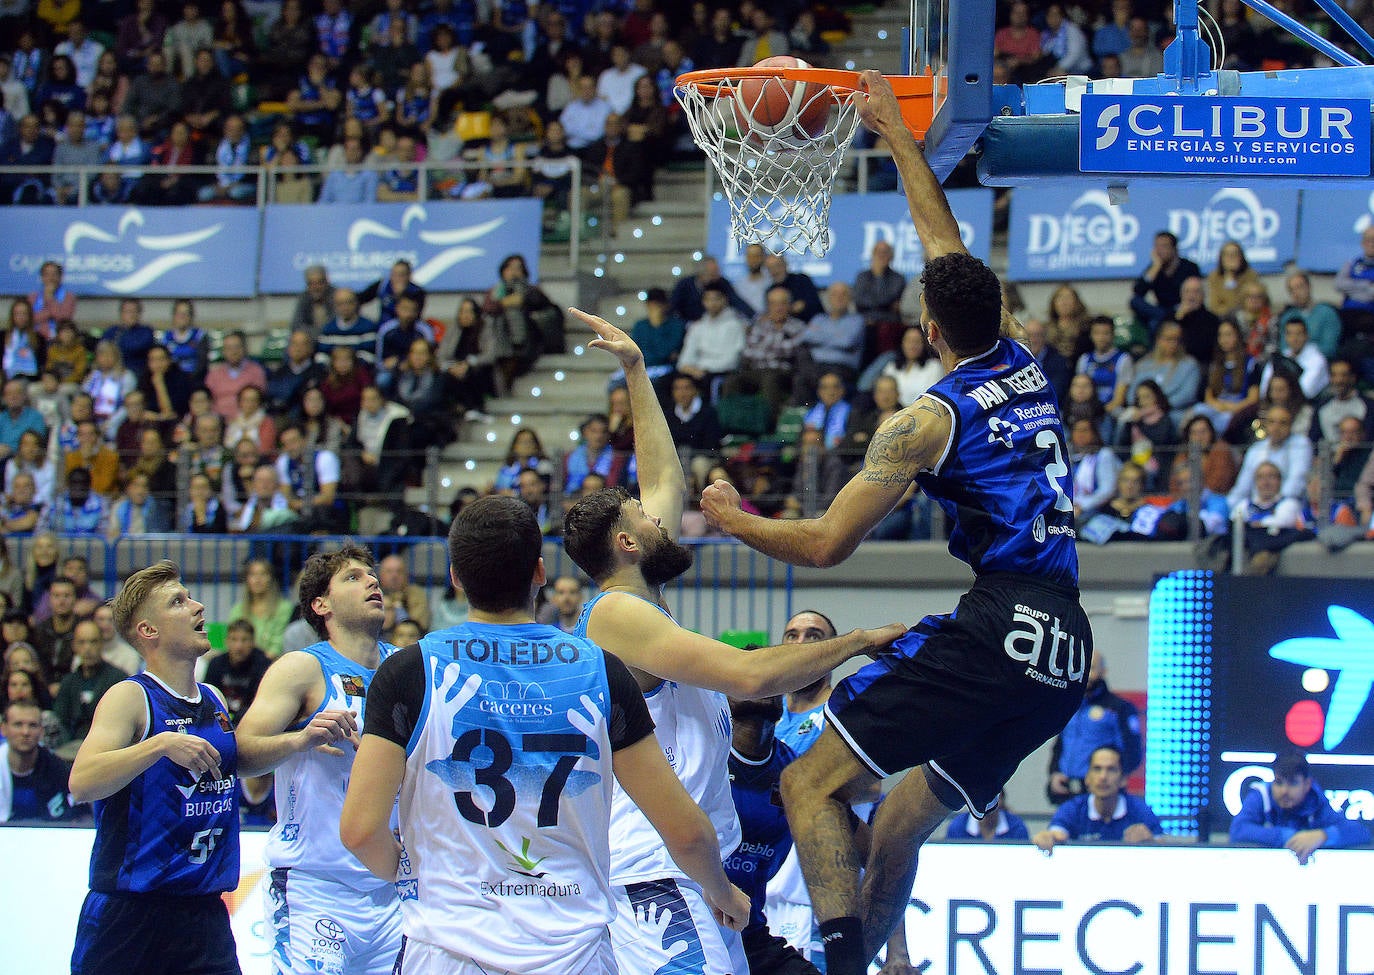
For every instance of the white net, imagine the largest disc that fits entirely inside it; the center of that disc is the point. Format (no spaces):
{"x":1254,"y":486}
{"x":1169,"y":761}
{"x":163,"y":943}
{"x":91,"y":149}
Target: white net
{"x":777,"y":147}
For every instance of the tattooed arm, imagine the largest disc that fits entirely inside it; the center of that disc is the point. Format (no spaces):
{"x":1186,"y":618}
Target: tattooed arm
{"x":910,"y":441}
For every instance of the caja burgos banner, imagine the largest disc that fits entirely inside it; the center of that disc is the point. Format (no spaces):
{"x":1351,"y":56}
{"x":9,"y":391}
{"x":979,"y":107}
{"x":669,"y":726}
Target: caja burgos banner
{"x":154,"y":252}
{"x":452,"y":246}
{"x":857,"y":222}
{"x":1068,"y":230}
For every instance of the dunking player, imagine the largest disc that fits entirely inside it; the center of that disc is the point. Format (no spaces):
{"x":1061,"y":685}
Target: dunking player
{"x":160,"y":765}
{"x":502,"y":736}
{"x":304,"y":724}
{"x":629,"y":549}
{"x":965,"y":696}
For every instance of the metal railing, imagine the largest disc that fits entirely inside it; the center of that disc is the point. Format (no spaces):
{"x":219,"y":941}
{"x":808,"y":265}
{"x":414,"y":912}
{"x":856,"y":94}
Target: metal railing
{"x":264,"y":192}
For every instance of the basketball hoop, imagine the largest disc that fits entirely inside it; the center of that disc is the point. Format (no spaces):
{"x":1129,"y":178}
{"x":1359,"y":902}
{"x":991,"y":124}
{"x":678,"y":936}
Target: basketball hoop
{"x":777,"y":136}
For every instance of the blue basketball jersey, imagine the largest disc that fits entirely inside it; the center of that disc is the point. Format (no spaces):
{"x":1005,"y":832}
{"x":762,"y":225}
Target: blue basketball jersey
{"x":1004,"y":479}
{"x":167,"y":831}
{"x":767,"y":837}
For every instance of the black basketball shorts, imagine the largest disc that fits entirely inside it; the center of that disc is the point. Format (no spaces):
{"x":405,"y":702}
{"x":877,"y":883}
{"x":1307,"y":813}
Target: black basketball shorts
{"x":971,"y":693}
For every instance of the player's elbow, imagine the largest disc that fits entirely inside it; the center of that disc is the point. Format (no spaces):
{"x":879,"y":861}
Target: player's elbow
{"x":355,"y":832}
{"x":690,"y":838}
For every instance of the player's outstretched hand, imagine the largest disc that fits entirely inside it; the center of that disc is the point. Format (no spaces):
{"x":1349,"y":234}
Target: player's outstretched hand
{"x":192,"y":753}
{"x":718,"y":501}
{"x":733,"y":910}
{"x":329,"y":727}
{"x":880,"y":640}
{"x":612,"y":339}
{"x":877,"y":103}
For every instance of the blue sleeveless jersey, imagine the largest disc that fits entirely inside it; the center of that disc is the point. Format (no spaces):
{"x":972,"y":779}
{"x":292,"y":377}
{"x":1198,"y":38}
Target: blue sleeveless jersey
{"x":1004,"y":479}
{"x":767,"y":838}
{"x":167,"y":831}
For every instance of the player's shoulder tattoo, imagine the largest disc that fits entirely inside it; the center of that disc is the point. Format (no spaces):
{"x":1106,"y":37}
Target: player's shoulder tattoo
{"x":897,"y":449}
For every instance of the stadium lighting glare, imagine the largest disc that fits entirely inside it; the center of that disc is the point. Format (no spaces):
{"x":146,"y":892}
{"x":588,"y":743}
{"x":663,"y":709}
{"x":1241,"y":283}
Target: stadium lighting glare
{"x":559,"y":376}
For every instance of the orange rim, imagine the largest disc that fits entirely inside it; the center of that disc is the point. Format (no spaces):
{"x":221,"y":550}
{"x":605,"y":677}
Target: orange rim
{"x":915,"y":93}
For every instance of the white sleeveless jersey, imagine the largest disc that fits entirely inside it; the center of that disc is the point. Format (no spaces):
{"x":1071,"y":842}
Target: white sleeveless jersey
{"x":506,"y":801}
{"x":311,"y":784}
{"x":693,"y":727}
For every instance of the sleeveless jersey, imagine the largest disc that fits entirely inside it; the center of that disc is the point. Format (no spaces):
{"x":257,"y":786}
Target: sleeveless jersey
{"x":799,"y":730}
{"x":1004,"y":479}
{"x":766,"y":837}
{"x":1102,"y":372}
{"x":693,"y":727}
{"x":167,"y":831}
{"x":507,"y":797}
{"x":311,"y":784}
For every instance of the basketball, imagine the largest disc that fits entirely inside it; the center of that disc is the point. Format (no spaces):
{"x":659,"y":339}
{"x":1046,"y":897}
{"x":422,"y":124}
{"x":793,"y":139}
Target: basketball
{"x":780,"y":108}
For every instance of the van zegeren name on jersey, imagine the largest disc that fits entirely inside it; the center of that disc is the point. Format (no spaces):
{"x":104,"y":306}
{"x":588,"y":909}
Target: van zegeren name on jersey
{"x":1028,"y":379}
{"x":515,"y":653}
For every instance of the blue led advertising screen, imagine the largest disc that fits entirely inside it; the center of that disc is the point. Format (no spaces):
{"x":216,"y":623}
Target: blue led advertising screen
{"x":1241,"y":668}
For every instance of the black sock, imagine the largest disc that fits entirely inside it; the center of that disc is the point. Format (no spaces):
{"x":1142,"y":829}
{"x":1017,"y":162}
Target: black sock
{"x":843,"y":938}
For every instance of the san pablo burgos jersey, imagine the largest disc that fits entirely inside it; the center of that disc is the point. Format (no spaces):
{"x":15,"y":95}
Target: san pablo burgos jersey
{"x":1004,"y":479}
{"x":170,"y":831}
{"x":311,"y":784}
{"x":693,"y":727}
{"x":505,"y":806}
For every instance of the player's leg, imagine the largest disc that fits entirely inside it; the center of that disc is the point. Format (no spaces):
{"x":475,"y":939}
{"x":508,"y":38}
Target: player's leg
{"x":311,"y":928}
{"x":816,"y":790}
{"x":378,"y":925}
{"x":908,"y":816}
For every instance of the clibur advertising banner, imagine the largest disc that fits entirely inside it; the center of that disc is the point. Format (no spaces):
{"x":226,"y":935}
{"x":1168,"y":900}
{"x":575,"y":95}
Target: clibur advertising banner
{"x":153,"y":252}
{"x":1227,"y":136}
{"x":857,"y":222}
{"x":1330,"y":227}
{"x":976,"y":909}
{"x":1243,"y":668}
{"x":1070,"y":230}
{"x":452,"y":246}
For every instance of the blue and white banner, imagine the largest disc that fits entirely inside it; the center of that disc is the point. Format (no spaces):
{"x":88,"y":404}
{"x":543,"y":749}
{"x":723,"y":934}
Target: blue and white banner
{"x":1330,"y":226}
{"x":1066,"y":230}
{"x":453,"y":246}
{"x":1227,"y":136}
{"x":155,"y":252}
{"x":857,"y":222}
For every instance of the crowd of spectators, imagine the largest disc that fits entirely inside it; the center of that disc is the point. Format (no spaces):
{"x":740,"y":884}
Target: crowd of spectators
{"x":365,"y":91}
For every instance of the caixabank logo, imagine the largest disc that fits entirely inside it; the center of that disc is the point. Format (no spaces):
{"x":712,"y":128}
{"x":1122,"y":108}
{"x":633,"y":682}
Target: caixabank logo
{"x":1293,"y":663}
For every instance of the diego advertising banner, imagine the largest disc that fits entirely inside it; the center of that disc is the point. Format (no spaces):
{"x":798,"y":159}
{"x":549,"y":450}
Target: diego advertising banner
{"x":857,"y":222}
{"x":977,"y":909}
{"x":1242,"y":668}
{"x":152,"y":252}
{"x":1330,"y":226}
{"x":1070,"y":230}
{"x":453,"y":246}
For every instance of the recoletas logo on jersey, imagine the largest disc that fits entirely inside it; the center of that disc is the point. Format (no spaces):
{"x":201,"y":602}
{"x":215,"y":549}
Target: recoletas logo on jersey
{"x":1000,"y":431}
{"x":353,"y":685}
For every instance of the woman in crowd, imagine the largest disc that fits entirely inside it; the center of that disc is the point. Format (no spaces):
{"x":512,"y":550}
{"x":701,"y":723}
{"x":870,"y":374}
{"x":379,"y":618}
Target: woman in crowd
{"x":471,"y":351}
{"x":24,"y":349}
{"x":1219,"y":467}
{"x":263,"y":605}
{"x":342,"y":386}
{"x":11,"y":577}
{"x":40,"y":565}
{"x":153,"y":464}
{"x":415,"y":102}
{"x":252,"y":422}
{"x":32,"y":459}
{"x":233,"y":45}
{"x":524,"y":453}
{"x":1233,"y":376}
{"x":53,"y":302}
{"x":321,"y":428}
{"x":1083,"y":403}
{"x":61,"y":86}
{"x":108,"y":384}
{"x":108,"y":80}
{"x":421,"y":387}
{"x":1067,"y":323}
{"x":1176,"y":373}
{"x":1095,"y":467}
{"x":25,"y":684}
{"x":238,"y":476}
{"x":1148,"y":432}
{"x":499,"y":176}
{"x":1257,"y":320}
{"x":621,"y":426}
{"x":533,"y":322}
{"x":203,"y":513}
{"x":1228,"y":280}
{"x":916,"y":366}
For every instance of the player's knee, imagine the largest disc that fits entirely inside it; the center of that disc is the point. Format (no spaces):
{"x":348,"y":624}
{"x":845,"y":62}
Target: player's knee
{"x":799,"y":785}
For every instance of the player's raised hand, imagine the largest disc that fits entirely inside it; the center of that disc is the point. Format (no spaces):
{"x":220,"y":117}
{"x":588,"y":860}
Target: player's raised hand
{"x":877,"y":103}
{"x":612,"y":339}
{"x":191,"y":752}
{"x":732,"y":911}
{"x":718,"y":501}
{"x":329,"y":727}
